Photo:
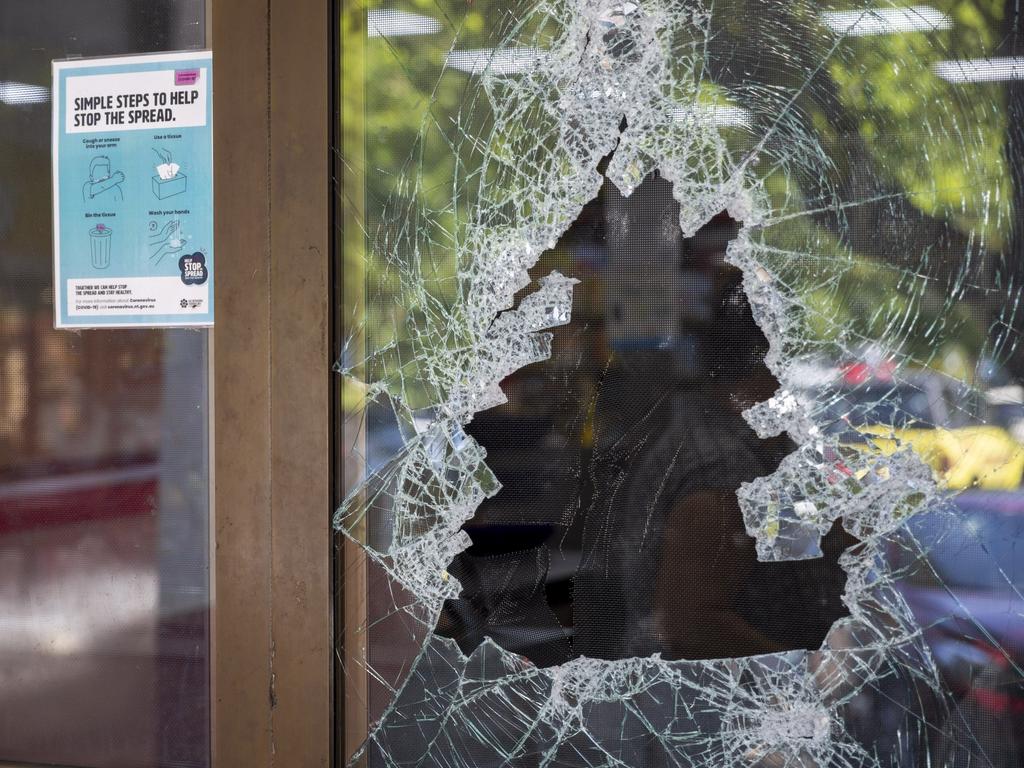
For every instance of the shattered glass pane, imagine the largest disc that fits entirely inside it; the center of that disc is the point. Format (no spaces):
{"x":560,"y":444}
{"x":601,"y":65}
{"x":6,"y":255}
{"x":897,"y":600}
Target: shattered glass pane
{"x":681,"y":384}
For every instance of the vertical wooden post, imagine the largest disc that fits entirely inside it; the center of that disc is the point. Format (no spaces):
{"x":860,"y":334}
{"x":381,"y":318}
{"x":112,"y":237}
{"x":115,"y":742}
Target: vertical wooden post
{"x":271,"y":381}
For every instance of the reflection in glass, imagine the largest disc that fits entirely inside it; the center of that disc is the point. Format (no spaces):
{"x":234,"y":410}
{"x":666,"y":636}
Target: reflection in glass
{"x":733,"y":484}
{"x":104,"y":485}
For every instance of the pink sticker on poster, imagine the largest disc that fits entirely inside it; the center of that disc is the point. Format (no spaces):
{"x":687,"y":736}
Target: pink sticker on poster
{"x":186,"y":76}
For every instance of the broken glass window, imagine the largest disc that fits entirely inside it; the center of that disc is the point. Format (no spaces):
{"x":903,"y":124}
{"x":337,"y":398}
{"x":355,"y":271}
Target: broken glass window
{"x":681,"y":384}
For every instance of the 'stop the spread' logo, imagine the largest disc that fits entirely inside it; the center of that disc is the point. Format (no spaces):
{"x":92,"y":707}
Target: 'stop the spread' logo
{"x":193,"y":269}
{"x":186,"y":76}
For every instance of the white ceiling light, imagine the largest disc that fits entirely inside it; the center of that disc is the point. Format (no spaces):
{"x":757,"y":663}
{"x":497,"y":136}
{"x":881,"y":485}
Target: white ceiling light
{"x":501,"y":61}
{"x":980,"y":70}
{"x":23,"y":93}
{"x":721,"y":115}
{"x":886,"y":21}
{"x":386,"y":22}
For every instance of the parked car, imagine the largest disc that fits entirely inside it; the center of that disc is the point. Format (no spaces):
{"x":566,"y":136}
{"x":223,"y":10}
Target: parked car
{"x":962,"y":578}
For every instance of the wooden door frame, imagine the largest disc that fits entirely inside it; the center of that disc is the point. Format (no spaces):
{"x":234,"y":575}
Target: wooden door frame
{"x":271,"y":672}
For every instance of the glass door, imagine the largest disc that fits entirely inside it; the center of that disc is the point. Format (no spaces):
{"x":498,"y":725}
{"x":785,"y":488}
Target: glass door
{"x":104,"y":457}
{"x":680,"y":386}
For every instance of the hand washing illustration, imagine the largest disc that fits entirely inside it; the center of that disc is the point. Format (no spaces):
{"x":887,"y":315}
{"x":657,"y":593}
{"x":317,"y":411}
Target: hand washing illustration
{"x":99,"y":244}
{"x":169,"y":180}
{"x":166,"y":241}
{"x":103,"y":181}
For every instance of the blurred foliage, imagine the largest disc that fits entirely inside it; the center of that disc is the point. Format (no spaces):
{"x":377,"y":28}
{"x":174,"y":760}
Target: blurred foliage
{"x":940,"y":142}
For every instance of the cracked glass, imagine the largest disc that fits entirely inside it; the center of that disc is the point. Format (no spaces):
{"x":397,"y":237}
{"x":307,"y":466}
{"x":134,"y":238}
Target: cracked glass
{"x":680,"y":386}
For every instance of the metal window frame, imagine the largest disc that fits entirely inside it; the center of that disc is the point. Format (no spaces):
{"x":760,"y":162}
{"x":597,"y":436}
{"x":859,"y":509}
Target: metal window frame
{"x":350,"y":567}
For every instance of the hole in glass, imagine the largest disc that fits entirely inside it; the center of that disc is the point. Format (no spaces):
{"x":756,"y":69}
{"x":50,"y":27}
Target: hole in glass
{"x":617,"y":532}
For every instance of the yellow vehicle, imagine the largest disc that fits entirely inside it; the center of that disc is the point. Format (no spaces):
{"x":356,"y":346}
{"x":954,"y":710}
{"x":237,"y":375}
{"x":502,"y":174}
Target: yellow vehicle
{"x":965,"y":457}
{"x":943,"y":423}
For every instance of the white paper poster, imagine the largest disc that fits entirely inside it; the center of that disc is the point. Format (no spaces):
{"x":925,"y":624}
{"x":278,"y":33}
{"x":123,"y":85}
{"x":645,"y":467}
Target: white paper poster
{"x":133,"y":191}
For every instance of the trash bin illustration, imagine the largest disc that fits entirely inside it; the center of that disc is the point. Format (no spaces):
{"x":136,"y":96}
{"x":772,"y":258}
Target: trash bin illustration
{"x":99,"y":242}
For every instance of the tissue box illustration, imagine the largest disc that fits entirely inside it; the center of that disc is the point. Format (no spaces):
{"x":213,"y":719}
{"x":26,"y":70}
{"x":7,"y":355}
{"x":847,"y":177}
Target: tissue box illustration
{"x":164,"y":188}
{"x":169,"y":181}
